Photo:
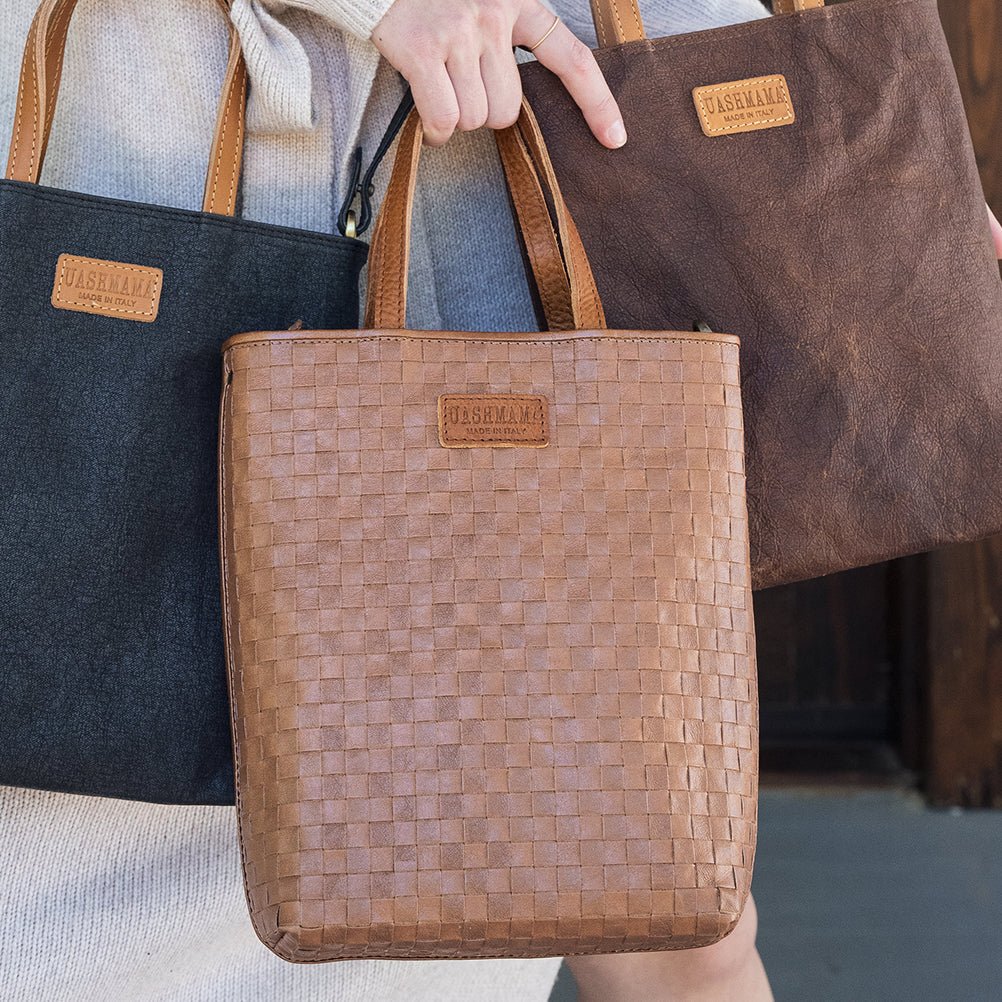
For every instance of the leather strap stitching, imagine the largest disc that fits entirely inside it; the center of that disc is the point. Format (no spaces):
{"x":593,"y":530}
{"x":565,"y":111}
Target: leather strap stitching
{"x":62,"y":17}
{"x":41,"y":72}
{"x":231,"y":85}
{"x":538,"y":234}
{"x":317,"y":338}
{"x":16,"y":141}
{"x":600,"y":26}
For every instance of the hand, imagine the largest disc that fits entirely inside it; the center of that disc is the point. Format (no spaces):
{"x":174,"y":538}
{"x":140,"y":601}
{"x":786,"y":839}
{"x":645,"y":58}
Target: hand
{"x":996,"y":228}
{"x":457,"y":56}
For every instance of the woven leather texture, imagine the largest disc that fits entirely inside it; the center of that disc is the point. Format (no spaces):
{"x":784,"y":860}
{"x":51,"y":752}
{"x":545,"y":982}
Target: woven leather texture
{"x":489,"y":701}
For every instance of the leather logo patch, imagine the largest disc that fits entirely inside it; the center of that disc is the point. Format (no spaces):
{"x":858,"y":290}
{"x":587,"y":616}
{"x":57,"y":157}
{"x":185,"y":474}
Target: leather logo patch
{"x":469,"y":420}
{"x":107,"y":288}
{"x":744,"y":105}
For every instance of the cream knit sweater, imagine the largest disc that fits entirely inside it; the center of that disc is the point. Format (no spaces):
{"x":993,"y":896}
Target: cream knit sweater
{"x":109,"y":901}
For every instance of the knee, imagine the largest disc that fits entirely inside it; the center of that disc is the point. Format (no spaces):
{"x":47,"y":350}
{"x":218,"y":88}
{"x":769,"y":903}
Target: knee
{"x":707,"y":972}
{"x":725,"y":959}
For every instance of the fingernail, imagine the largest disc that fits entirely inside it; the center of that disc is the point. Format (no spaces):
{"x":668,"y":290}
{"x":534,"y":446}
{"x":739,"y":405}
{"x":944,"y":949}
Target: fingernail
{"x":617,"y":134}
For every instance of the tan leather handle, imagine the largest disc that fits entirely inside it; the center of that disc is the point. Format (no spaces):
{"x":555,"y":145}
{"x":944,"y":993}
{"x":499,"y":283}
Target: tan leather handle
{"x":542,"y":245}
{"x":568,"y":291}
{"x":792,"y":6}
{"x":523,"y":149}
{"x":618,"y":21}
{"x":41,"y":71}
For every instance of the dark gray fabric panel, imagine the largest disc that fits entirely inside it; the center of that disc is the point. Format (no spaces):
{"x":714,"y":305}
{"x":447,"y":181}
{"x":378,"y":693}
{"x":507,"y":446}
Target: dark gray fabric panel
{"x":110,"y":638}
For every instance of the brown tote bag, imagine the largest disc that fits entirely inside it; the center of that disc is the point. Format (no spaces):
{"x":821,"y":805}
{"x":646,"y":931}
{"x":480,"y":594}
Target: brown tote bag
{"x":807,"y":182}
{"x":488,"y":613}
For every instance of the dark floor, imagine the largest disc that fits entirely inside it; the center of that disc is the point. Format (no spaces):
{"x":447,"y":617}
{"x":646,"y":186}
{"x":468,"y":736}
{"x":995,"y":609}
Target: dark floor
{"x":869,"y":896}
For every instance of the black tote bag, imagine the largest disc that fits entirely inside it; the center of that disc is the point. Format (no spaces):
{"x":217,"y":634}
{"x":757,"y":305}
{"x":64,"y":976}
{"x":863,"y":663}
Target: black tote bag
{"x":111,"y":319}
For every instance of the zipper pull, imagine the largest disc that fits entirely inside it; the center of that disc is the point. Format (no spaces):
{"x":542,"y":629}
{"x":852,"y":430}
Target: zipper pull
{"x":355,"y":216}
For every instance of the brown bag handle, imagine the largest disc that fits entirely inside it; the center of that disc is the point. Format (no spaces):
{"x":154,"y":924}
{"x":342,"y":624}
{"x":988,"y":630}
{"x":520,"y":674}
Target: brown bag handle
{"x":41,"y":71}
{"x":621,"y":20}
{"x":563,"y":275}
{"x":618,"y":21}
{"x":560,"y":265}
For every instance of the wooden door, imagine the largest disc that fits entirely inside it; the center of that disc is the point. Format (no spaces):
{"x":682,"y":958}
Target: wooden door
{"x":901,"y":664}
{"x":963,"y":718}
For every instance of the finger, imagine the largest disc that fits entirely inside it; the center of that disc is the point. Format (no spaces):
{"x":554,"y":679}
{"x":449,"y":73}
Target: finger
{"x":436,"y":103}
{"x":468,"y":85}
{"x":499,"y":72}
{"x":572,"y":61}
{"x":996,"y":228}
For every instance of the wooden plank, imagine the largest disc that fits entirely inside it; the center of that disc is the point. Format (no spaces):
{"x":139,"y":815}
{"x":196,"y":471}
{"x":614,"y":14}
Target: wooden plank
{"x":824,"y":660}
{"x":963,"y":754}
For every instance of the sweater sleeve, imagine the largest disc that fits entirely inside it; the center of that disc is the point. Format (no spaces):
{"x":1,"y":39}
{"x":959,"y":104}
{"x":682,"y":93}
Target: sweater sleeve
{"x":356,"y":17}
{"x":279,"y":65}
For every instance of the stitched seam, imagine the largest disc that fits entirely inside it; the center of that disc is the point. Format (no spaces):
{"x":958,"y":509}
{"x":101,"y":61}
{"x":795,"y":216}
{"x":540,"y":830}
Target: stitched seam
{"x":535,"y":440}
{"x":538,"y":439}
{"x":34,"y":126}
{"x":619,"y":20}
{"x":48,"y":50}
{"x":601,"y":30}
{"x":66,"y":10}
{"x":239,"y":142}
{"x":376,"y":265}
{"x":401,"y":251}
{"x":227,"y":617}
{"x":487,"y":441}
{"x":112,"y":265}
{"x":404,"y":249}
{"x":556,"y":309}
{"x":635,"y":10}
{"x":766,"y":24}
{"x":342,"y":245}
{"x":742,"y":85}
{"x":758,"y":121}
{"x":466,"y":955}
{"x":537,"y":240}
{"x":486,"y":340}
{"x":220,"y":141}
{"x":372,"y":305}
{"x":569,"y":236}
{"x":230,"y":81}
{"x":401,"y":248}
{"x":34,"y":102}
{"x":12,"y":167}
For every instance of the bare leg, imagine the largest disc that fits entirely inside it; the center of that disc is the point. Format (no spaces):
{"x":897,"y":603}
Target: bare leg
{"x":728,"y":971}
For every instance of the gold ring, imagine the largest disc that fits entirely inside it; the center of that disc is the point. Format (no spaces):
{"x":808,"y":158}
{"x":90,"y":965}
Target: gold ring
{"x":549,"y":31}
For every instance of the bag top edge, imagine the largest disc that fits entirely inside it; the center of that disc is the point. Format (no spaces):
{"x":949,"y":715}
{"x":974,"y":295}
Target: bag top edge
{"x":257,"y":339}
{"x":275,"y":231}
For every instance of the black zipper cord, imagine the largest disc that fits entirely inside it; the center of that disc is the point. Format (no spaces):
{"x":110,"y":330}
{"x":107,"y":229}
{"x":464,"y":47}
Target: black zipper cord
{"x":354,"y":222}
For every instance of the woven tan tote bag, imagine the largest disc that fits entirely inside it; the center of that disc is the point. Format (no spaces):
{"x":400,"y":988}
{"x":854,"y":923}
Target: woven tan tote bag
{"x":489,"y":622}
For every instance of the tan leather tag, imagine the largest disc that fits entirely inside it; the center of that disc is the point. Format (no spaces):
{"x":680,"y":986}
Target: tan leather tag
{"x":107,"y":288}
{"x":469,"y":420}
{"x":744,"y":105}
